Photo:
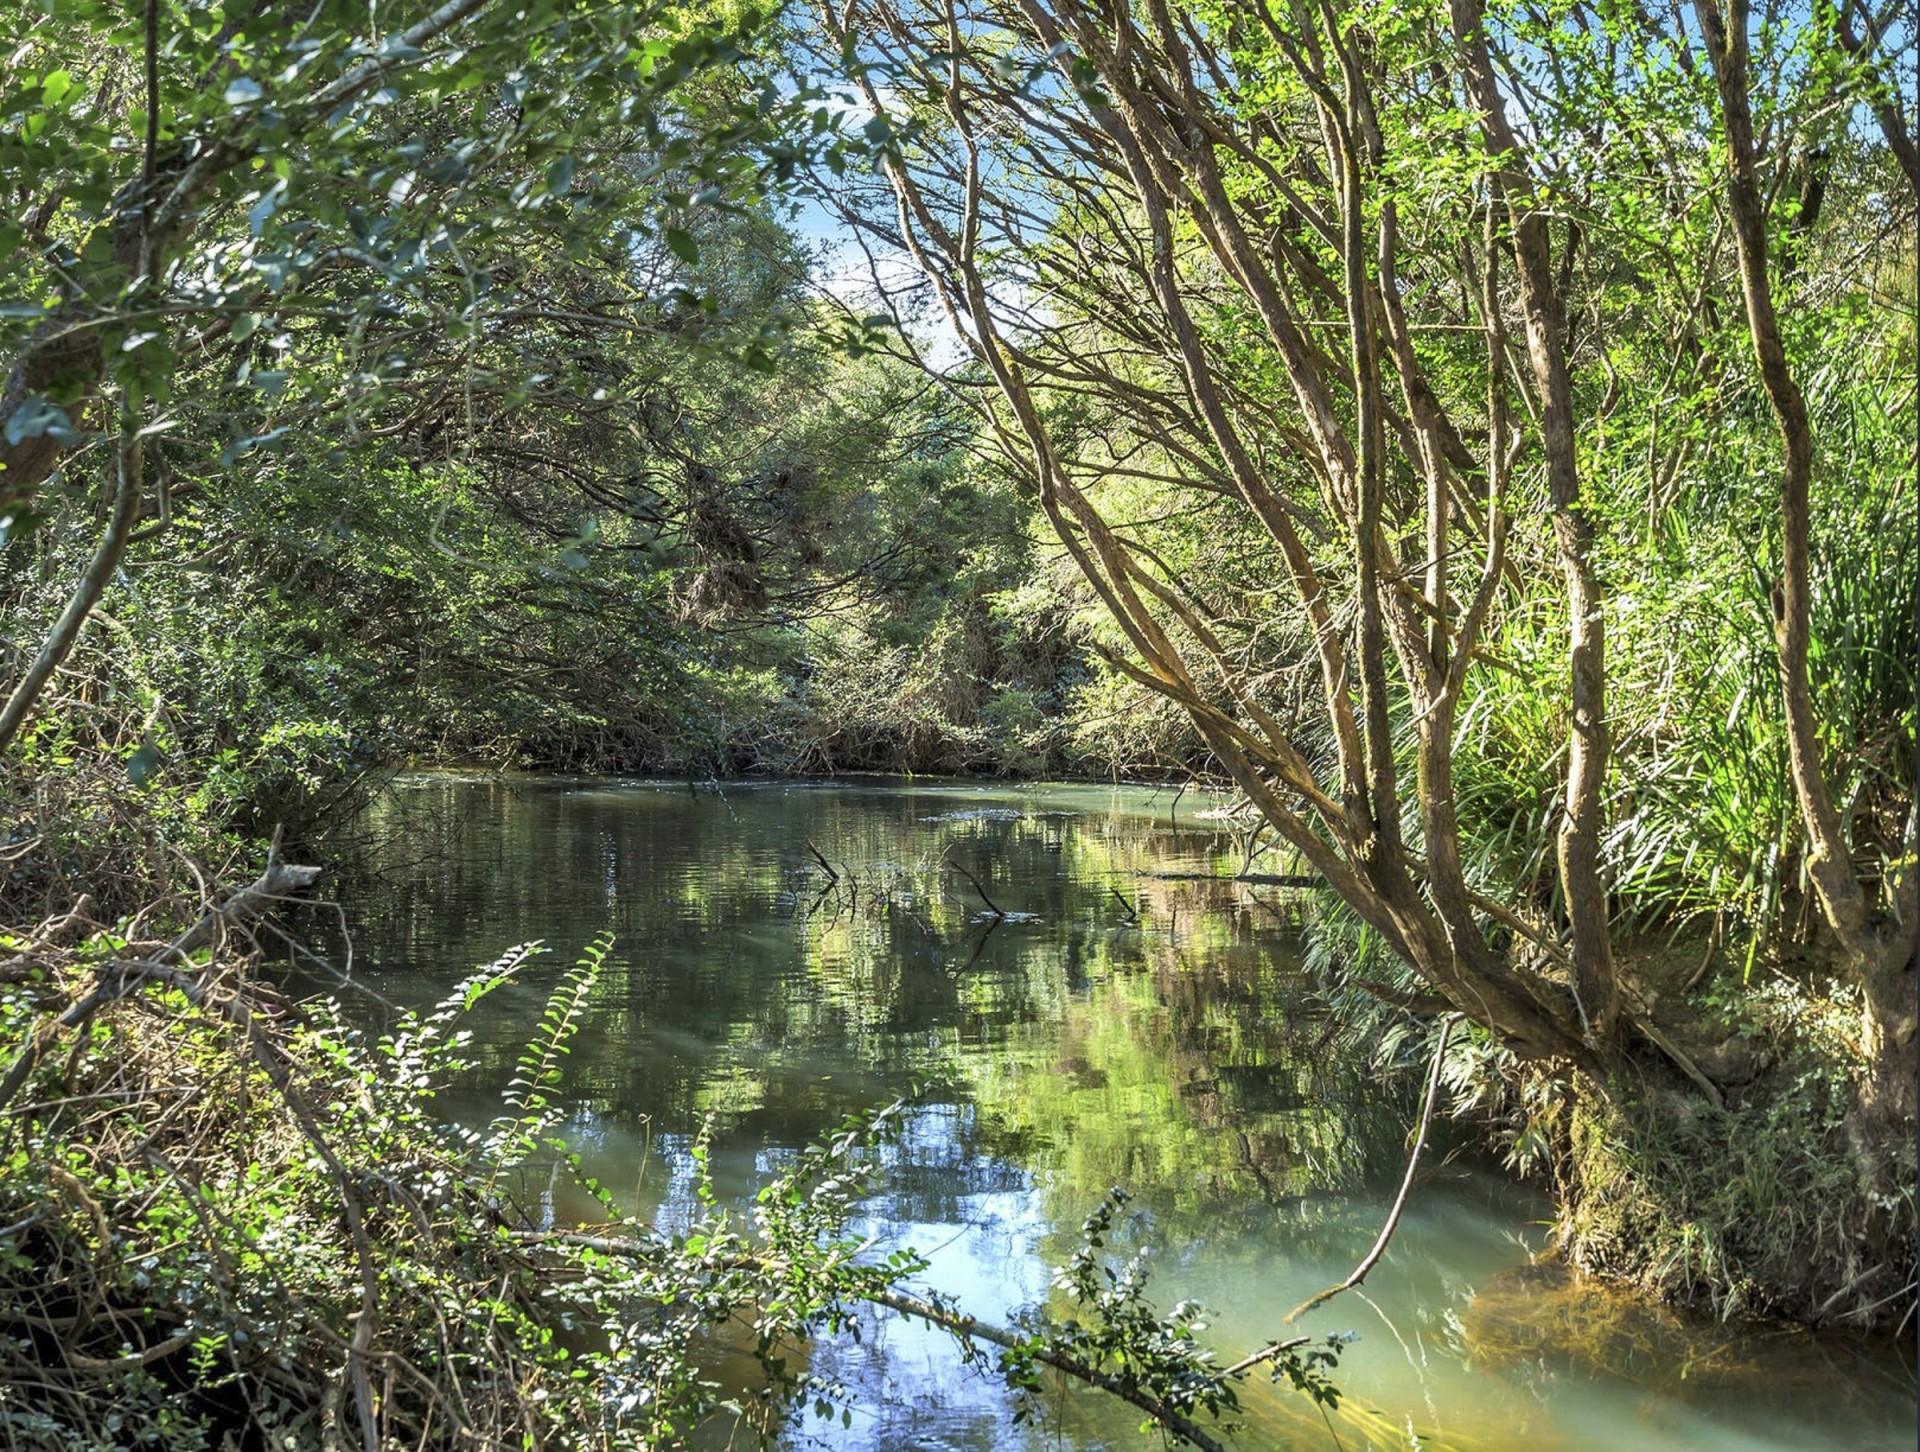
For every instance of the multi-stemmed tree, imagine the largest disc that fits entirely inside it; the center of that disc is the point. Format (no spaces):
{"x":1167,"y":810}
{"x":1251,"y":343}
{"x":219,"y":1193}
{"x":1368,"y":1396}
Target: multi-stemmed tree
{"x":1452,"y":330}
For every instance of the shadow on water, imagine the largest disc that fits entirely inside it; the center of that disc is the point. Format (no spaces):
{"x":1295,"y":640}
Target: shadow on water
{"x":1070,"y":1000}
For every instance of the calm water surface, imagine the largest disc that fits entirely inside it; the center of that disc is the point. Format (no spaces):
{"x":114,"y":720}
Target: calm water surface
{"x":1125,"y":1025}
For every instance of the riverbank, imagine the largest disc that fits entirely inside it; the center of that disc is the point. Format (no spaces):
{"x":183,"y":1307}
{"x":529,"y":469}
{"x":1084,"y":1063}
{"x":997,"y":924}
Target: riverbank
{"x":1162,"y":1077}
{"x":234,"y":1220}
{"x":1095,"y":1048}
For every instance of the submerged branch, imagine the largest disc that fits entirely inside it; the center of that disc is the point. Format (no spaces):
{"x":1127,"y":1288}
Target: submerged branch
{"x":1372,"y":1257}
{"x":992,"y":906}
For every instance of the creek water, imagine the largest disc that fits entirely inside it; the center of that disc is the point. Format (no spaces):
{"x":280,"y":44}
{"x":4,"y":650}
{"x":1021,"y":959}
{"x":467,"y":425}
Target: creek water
{"x":1127,"y":1022}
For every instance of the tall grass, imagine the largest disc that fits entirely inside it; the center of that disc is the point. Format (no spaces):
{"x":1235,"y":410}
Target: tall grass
{"x":1701,"y":814}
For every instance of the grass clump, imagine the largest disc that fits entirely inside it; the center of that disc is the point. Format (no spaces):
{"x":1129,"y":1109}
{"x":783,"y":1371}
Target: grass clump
{"x":1769,"y":1205}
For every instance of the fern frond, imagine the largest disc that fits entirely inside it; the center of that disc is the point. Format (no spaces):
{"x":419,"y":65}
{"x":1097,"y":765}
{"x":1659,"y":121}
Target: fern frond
{"x":528,"y":1096}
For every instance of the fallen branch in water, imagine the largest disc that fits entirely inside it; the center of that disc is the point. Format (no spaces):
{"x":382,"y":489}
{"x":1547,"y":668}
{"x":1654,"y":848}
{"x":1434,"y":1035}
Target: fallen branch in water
{"x":981,"y":947}
{"x":1372,"y":1257}
{"x":821,"y":858}
{"x":992,"y":906}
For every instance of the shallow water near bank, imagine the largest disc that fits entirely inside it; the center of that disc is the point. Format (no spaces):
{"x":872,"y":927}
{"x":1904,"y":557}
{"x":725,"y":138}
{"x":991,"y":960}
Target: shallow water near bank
{"x":1121,"y":1022}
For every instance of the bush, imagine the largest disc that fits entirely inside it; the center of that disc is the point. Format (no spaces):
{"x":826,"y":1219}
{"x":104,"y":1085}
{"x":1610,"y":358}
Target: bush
{"x":225,"y":1215}
{"x":227,"y":1219}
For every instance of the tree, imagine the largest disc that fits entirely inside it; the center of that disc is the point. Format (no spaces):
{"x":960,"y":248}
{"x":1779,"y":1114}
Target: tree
{"x":324,"y":206}
{"x":1400,"y":292}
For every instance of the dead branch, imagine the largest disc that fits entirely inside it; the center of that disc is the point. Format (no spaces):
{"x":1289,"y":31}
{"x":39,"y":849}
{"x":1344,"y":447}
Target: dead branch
{"x":122,"y":976}
{"x":992,"y":906}
{"x":1372,"y":1257}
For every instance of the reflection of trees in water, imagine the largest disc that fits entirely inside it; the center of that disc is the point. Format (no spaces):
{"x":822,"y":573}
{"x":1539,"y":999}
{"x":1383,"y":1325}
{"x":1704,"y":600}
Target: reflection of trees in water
{"x":1190,"y":1078}
{"x":1164,"y":1042}
{"x":1152,"y":1036}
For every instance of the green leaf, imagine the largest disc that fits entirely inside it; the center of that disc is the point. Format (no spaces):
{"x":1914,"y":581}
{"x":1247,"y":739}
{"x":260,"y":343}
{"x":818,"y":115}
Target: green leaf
{"x":262,"y":211}
{"x":34,"y":417}
{"x":143,"y":763}
{"x":682,"y":245}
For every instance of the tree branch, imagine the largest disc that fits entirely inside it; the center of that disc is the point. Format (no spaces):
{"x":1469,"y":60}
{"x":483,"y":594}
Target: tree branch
{"x":1372,"y":1257}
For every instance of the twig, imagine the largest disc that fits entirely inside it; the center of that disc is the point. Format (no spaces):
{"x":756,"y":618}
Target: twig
{"x":1266,"y":907}
{"x":981,"y":946}
{"x":1413,"y":1002}
{"x":76,"y":916}
{"x":156,"y":1352}
{"x":122,"y":976}
{"x":603,"y":1244}
{"x":966,"y":1327}
{"x":969,"y":1329}
{"x":1266,"y":1353}
{"x":1848,"y":1289}
{"x":1686,"y":1065}
{"x":821,"y":858}
{"x":277,"y":882}
{"x":1876,"y":1305}
{"x":1372,"y":1257}
{"x":1706,"y":958}
{"x":992,"y":906}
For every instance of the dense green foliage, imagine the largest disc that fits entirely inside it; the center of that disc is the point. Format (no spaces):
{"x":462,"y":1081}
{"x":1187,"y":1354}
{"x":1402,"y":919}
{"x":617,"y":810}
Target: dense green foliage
{"x":1677,"y":447}
{"x":486,"y":418}
{"x":1446,"y":420}
{"x":455,"y":395}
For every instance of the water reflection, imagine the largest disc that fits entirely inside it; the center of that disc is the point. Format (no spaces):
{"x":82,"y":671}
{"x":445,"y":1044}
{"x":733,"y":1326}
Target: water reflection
{"x":1069,"y":1005}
